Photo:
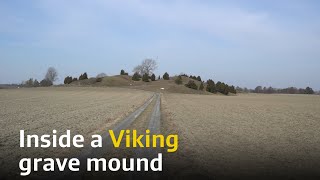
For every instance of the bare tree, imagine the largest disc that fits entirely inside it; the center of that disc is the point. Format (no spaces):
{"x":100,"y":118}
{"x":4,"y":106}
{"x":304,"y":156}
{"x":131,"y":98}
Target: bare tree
{"x":147,"y":67}
{"x":52,"y":74}
{"x":101,"y":75}
{"x":138,"y":69}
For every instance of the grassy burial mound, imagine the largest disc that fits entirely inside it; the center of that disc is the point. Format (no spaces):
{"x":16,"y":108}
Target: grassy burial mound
{"x":158,"y":85}
{"x":145,"y":79}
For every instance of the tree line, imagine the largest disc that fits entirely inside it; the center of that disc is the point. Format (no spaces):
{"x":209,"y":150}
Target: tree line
{"x":271,"y":90}
{"x":145,"y":72}
{"x":289,"y":90}
{"x":70,"y":79}
{"x":211,"y":86}
{"x":50,"y":77}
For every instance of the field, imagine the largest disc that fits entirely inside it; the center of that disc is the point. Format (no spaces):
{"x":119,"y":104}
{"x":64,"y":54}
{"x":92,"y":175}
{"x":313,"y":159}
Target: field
{"x":38,"y":111}
{"x":247,"y":135}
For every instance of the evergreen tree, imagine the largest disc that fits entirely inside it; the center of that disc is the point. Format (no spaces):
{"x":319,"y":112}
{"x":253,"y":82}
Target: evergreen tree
{"x":199,"y":78}
{"x":233,"y":90}
{"x":46,"y":83}
{"x":68,"y":80}
{"x":225,"y":89}
{"x":211,"y":87}
{"x":122,"y":72}
{"x":145,"y":77}
{"x":309,"y":90}
{"x":85,"y":76}
{"x":136,"y":76}
{"x":153,"y":77}
{"x":29,"y":83}
{"x":36,"y":83}
{"x":166,"y":76}
{"x":220,"y":87}
{"x":191,"y":84}
{"x":201,"y":86}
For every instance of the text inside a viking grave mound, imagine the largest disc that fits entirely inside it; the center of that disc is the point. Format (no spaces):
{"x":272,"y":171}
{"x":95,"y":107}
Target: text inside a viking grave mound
{"x":124,"y":138}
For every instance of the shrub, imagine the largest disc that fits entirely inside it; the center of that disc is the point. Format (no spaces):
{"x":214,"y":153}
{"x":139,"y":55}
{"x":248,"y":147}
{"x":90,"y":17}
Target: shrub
{"x":194,"y":77}
{"x":145,"y":77}
{"x":122,"y":72}
{"x":68,"y":80}
{"x":166,"y":76}
{"x":83,"y":76}
{"x":36,"y":83}
{"x":99,"y":79}
{"x":201,"y":86}
{"x":232,"y":90}
{"x":136,"y":76}
{"x":199,"y":78}
{"x":178,"y":80}
{"x":191,"y":84}
{"x":211,"y":87}
{"x":222,"y":88}
{"x":46,"y":83}
{"x":153,"y":77}
{"x":226,"y":89}
{"x":219,"y":87}
{"x":29,"y":83}
{"x":309,"y":90}
{"x":74,"y":79}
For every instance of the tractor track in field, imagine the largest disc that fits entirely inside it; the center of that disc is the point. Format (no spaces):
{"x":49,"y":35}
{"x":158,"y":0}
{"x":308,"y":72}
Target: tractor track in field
{"x":145,"y":117}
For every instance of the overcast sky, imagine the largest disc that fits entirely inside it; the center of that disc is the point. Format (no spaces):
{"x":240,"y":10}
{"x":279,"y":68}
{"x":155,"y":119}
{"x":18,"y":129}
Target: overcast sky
{"x":245,"y":43}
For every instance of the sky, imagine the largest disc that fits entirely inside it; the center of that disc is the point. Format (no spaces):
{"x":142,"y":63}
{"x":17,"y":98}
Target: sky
{"x":241,"y":42}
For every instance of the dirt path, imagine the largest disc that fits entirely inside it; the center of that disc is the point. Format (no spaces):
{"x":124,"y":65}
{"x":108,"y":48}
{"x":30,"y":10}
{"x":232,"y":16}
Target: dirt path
{"x":154,"y":124}
{"x":145,"y":117}
{"x":150,"y":122}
